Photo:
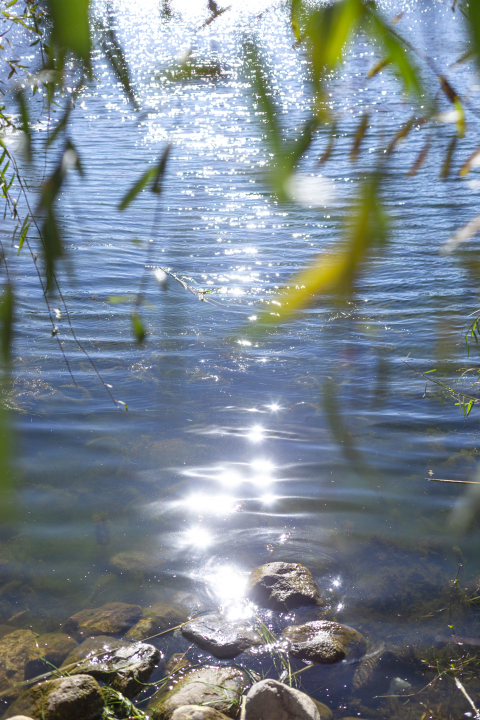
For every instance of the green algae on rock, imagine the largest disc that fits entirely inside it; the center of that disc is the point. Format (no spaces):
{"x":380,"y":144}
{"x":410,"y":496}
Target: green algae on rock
{"x":78,"y":697}
{"x":110,"y":619}
{"x":218,"y":687}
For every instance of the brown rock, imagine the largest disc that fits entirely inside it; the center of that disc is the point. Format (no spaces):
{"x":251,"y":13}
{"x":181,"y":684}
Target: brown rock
{"x":281,"y":586}
{"x":197,"y":712}
{"x":135,"y":562}
{"x":17,"y":650}
{"x":177,"y":662}
{"x":55,"y":647}
{"x":78,"y":698}
{"x":218,"y":687}
{"x":110,"y":619}
{"x":324,"y":641}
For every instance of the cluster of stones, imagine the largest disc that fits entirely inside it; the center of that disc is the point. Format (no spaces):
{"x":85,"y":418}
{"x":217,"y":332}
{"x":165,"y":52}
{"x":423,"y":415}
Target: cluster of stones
{"x":88,"y":651}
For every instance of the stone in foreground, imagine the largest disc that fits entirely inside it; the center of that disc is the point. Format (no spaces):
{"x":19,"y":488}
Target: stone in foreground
{"x":224,"y":639}
{"x":283,"y":586}
{"x":110,"y":619}
{"x":197,"y":712}
{"x":272,"y":700}
{"x":220,"y":688}
{"x":70,"y":698}
{"x":123,"y":665}
{"x":323,"y":641}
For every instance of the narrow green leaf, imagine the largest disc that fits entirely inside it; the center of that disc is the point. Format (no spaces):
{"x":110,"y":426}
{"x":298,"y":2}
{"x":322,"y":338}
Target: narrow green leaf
{"x":138,"y":328}
{"x":162,"y":164}
{"x":71,"y":27}
{"x":23,"y":234}
{"x":148,"y":175}
{"x":6,"y":322}
{"x":115,"y":55}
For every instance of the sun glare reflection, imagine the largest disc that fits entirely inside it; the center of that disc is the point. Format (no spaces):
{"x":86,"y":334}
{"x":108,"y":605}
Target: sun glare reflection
{"x":228,"y":584}
{"x":198,"y":537}
{"x":213,"y":504}
{"x":255,"y":434}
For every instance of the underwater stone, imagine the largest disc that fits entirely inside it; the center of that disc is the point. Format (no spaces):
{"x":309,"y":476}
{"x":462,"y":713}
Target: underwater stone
{"x":281,"y":586}
{"x":224,"y":639}
{"x":17,"y":650}
{"x":110,"y":619}
{"x":134,"y":562}
{"x":197,"y":712}
{"x":324,"y":710}
{"x":217,"y":687}
{"x":66,"y":698}
{"x":122,"y":665}
{"x":55,"y":647}
{"x":176,"y":662}
{"x":324,"y":641}
{"x":6,"y":630}
{"x":272,"y":700}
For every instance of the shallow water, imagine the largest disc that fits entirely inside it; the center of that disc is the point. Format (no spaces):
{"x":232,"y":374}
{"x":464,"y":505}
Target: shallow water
{"x":311,"y":442}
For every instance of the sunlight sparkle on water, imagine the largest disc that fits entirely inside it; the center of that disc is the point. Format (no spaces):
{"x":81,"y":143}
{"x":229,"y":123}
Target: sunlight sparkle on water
{"x":232,"y":478}
{"x":213,"y":504}
{"x":228,"y":584}
{"x":197,"y":536}
{"x":255,"y":434}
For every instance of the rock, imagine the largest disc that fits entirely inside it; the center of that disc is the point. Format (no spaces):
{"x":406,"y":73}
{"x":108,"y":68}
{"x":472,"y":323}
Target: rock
{"x":323,"y":641}
{"x":197,"y":712}
{"x":21,"y":717}
{"x":324,"y":710}
{"x":55,"y":647}
{"x":280,"y":586}
{"x":166,"y":615}
{"x":18,"y":649}
{"x":272,"y":700}
{"x":156,"y":618}
{"x":78,"y":697}
{"x":110,"y":619}
{"x":224,"y":639}
{"x":143,"y":629}
{"x":122,"y":665}
{"x":135,"y":562}
{"x":220,"y":688}
{"x":177,"y":662}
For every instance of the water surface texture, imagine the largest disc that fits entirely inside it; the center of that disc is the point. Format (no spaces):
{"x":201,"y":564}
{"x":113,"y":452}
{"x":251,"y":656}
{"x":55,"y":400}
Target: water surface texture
{"x":310,"y":442}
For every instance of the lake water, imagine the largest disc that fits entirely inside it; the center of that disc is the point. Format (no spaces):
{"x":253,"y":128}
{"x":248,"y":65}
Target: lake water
{"x":310,"y":442}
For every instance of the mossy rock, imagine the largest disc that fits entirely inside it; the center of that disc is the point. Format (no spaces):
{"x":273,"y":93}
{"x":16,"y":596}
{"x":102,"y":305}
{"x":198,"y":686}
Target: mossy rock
{"x":220,"y":688}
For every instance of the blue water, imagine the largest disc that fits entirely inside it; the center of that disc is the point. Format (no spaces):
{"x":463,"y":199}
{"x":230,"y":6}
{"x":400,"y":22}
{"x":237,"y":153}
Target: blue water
{"x":230,"y":453}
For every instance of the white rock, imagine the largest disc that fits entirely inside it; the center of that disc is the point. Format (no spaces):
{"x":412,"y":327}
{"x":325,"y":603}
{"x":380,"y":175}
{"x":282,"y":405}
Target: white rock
{"x":272,"y":700}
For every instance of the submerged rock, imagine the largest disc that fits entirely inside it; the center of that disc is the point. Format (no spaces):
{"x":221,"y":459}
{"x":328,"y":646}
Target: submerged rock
{"x":272,"y":700}
{"x":156,"y":618}
{"x":323,"y":641}
{"x":220,"y":688}
{"x":177,"y":662}
{"x":110,"y":619}
{"x":197,"y":712}
{"x":122,"y":665}
{"x":135,"y":562}
{"x":280,"y":586}
{"x":68,"y":698}
{"x":18,"y":651}
{"x":224,"y":639}
{"x":55,"y":647}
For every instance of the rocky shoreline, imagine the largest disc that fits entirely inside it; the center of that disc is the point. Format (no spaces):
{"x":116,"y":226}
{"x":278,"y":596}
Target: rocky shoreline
{"x":109,"y":661}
